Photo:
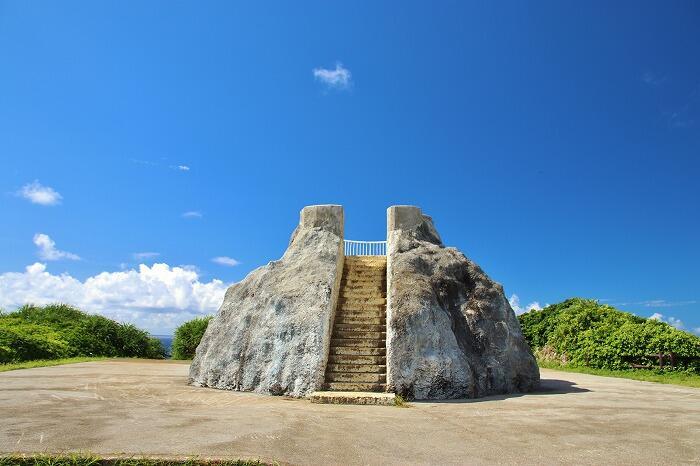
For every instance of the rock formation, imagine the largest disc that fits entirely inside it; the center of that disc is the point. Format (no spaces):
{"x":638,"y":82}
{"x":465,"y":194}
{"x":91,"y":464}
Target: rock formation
{"x":451,"y":332}
{"x":272,"y":332}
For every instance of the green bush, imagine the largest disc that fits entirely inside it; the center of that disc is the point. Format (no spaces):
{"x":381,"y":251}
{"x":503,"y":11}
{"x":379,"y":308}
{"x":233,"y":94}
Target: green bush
{"x":58,"y":331}
{"x":188,"y":336}
{"x":22,"y":341}
{"x":582,"y":332}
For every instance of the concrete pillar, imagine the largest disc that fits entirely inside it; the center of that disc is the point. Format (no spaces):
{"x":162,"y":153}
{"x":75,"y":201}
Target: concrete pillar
{"x":403,"y":217}
{"x":328,"y":216}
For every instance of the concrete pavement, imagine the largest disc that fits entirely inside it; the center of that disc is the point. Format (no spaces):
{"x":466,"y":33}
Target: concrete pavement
{"x":137,"y":407}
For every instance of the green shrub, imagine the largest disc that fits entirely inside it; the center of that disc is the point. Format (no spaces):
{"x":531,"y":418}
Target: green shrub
{"x":94,"y":336}
{"x":582,"y":332}
{"x":59,"y":316}
{"x":132,"y":340}
{"x":155,"y":349}
{"x":188,"y":336}
{"x":22,"y":341}
{"x":59,"y":331}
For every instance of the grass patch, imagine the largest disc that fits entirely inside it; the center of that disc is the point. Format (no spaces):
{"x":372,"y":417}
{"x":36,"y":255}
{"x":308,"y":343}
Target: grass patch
{"x":400,"y":402}
{"x":648,"y":375}
{"x":89,"y":460}
{"x":46,"y":363}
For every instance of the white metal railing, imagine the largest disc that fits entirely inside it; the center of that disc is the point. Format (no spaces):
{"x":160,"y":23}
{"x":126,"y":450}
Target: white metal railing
{"x":365,"y":248}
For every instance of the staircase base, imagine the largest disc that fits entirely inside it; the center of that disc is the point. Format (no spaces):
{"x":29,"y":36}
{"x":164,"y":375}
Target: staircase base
{"x":353,"y":398}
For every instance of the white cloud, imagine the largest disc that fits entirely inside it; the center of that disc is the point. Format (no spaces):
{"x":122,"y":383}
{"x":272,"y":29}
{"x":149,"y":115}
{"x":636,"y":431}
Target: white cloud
{"x":157,"y":298}
{"x":655,"y":303}
{"x":139,"y":256}
{"x":224,"y":260}
{"x":339,"y":78}
{"x":665,"y":303}
{"x":182,"y":168}
{"x":48,"y":251}
{"x":670,"y":320}
{"x":37,"y":193}
{"x":192,"y":214}
{"x":515,"y":304}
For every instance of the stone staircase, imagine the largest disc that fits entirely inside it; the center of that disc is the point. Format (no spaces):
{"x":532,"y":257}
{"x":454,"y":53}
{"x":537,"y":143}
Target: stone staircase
{"x":357,"y":357}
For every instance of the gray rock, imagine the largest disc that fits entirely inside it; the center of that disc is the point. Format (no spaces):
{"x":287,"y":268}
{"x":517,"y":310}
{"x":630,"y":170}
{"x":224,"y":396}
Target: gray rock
{"x":451,"y":332}
{"x":272,"y":332}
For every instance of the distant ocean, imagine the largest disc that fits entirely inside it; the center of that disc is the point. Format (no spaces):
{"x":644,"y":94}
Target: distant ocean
{"x":167,"y":341}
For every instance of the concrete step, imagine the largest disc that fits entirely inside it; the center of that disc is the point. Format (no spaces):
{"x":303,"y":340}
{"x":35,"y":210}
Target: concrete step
{"x":357,"y":351}
{"x":357,"y":343}
{"x":353,"y":398}
{"x":363,"y":285}
{"x":360,"y":301}
{"x":349,"y":279}
{"x":358,"y":328}
{"x":374,"y":278}
{"x":355,"y":377}
{"x":361,"y":293}
{"x":356,"y":359}
{"x":364,"y":268}
{"x":365,"y":258}
{"x":364,"y":265}
{"x":374,"y":292}
{"x":347,"y":368}
{"x":363,"y":278}
{"x":353,"y":335}
{"x":350,"y":272}
{"x":347,"y":307}
{"x":355,"y":387}
{"x":372,"y":282}
{"x":359,"y":319}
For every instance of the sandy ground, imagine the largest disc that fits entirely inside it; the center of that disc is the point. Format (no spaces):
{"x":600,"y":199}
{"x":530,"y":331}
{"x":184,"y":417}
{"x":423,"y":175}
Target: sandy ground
{"x":146,"y":408}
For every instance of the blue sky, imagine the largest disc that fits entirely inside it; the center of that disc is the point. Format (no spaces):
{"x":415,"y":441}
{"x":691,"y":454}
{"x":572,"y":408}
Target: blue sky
{"x":555,"y":143}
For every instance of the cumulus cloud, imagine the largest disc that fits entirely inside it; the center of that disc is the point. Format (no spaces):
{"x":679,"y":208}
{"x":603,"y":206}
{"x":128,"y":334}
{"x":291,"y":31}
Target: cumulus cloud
{"x":139,"y":256}
{"x":670,"y":320}
{"x":157,"y":298}
{"x":515,"y":304}
{"x":224,"y":260}
{"x":48,"y":251}
{"x":338,"y":78}
{"x":37,"y":193}
{"x":192,"y":214}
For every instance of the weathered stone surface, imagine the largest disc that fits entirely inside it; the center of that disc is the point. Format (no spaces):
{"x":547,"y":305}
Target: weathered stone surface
{"x":272,"y":332}
{"x":451,"y":332}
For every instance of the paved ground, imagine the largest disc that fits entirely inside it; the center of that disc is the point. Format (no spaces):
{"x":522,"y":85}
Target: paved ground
{"x":145,"y":407}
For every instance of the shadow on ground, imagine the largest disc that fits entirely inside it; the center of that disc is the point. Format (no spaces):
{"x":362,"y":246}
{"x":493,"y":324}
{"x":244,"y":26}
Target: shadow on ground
{"x":547,"y":387}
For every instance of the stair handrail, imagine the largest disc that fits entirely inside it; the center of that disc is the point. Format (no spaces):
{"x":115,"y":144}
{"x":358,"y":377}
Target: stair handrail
{"x":364,"y":248}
